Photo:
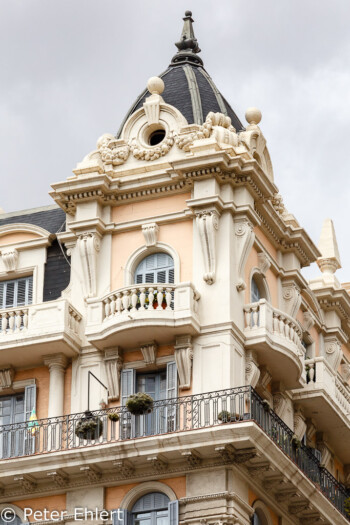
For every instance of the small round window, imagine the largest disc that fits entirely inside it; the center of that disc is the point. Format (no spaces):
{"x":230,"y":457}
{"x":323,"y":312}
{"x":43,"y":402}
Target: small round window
{"x":156,"y":137}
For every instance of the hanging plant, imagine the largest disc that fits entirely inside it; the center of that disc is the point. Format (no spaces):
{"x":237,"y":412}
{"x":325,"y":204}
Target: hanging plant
{"x":89,"y":427}
{"x":113,"y":416}
{"x":266,"y":405}
{"x":139,"y":404}
{"x":347,"y":506}
{"x":296,"y":442}
{"x":224,"y":416}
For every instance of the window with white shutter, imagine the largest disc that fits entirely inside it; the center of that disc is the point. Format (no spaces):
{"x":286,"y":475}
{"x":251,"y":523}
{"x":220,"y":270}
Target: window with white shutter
{"x":155,"y":268}
{"x":16,"y":292}
{"x":155,"y":508}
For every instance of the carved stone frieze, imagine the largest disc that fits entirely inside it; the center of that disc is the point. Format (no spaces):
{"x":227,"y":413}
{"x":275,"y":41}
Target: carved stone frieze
{"x":125,"y":467}
{"x":10,"y":259}
{"x":150,"y":232}
{"x":61,"y":480}
{"x":183,"y":358}
{"x":6,"y":377}
{"x":252,"y":371}
{"x":149,"y":352}
{"x":192,"y":457}
{"x":92,"y":473}
{"x":208,"y":224}
{"x":264,"y":262}
{"x":89,"y":246}
{"x":113,"y":364}
{"x":244,"y":240}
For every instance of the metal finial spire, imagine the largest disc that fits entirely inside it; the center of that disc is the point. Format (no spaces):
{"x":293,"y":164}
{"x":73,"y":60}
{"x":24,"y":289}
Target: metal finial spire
{"x":188,"y":45}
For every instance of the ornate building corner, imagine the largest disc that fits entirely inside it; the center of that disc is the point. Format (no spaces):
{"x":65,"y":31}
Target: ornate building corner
{"x":113,"y":363}
{"x":183,"y":359}
{"x":299,"y":423}
{"x":322,"y":445}
{"x":291,"y":298}
{"x":155,"y":86}
{"x":252,"y":370}
{"x":150,"y":232}
{"x":89,"y":246}
{"x":208,"y":225}
{"x":149,"y":352}
{"x":264,"y":262}
{"x":333,"y":352}
{"x":244,"y":242}
{"x":6,"y":377}
{"x":10,"y":259}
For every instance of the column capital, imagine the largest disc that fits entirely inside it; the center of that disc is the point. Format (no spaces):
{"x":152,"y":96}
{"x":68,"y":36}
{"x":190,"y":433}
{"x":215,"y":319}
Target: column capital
{"x":55,"y":361}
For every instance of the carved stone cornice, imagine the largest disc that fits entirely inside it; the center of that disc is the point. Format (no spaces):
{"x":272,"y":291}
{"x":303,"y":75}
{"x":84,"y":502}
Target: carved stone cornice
{"x":113,"y":364}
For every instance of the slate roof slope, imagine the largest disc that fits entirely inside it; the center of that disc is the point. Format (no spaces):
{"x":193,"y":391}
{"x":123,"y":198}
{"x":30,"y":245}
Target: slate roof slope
{"x":51,"y":218}
{"x":188,"y":86}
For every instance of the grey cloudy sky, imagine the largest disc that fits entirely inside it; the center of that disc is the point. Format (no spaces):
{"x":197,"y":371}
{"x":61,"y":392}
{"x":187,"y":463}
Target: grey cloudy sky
{"x":70,"y":69}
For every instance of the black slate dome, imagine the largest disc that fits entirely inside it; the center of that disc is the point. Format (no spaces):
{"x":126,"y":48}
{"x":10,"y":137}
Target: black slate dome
{"x":188,"y":87}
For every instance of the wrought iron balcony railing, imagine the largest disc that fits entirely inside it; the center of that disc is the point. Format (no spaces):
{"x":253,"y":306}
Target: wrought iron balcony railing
{"x":172,"y":415}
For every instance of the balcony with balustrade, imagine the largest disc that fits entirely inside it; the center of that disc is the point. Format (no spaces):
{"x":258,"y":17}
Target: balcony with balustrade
{"x":29,"y":332}
{"x":326,"y":399}
{"x":227,"y":427}
{"x":138,"y":313}
{"x":277,"y":340}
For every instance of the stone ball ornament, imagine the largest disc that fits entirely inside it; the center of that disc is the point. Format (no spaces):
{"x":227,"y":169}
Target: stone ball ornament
{"x":155,"y":86}
{"x":253,"y":115}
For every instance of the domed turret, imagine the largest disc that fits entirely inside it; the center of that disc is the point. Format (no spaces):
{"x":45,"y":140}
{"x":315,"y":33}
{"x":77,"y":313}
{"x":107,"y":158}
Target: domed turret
{"x":188,"y":87}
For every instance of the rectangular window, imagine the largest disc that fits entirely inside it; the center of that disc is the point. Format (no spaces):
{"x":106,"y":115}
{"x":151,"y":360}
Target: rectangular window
{"x":17,"y":292}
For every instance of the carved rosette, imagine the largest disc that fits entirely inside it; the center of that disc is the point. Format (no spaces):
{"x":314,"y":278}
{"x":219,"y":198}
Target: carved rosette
{"x":150,"y":232}
{"x":10,"y":259}
{"x":183,"y":358}
{"x":113,"y":363}
{"x":89,"y":246}
{"x":208,"y":225}
{"x":333,"y":352}
{"x":244,"y":237}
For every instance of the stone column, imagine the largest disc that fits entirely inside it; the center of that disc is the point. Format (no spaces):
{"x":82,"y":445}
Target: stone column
{"x":57,"y":364}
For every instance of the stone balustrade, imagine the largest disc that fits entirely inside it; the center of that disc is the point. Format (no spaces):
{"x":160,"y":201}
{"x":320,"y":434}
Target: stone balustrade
{"x":263,"y":315}
{"x":13,"y":320}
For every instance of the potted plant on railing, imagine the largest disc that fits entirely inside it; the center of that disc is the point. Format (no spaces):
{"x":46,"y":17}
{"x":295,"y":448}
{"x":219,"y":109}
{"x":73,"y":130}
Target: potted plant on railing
{"x":224,"y":416}
{"x":266,"y":405}
{"x":113,"y":416}
{"x":347,"y":506}
{"x":296,"y":443}
{"x":139,"y":404}
{"x":89,"y":426}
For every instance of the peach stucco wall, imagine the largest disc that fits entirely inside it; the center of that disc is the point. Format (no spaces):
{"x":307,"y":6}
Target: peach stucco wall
{"x":50,"y":503}
{"x":266,"y":242}
{"x":12,"y":238}
{"x":149,"y":208}
{"x":114,"y":495}
{"x":271,"y":279}
{"x":178,"y":235}
{"x":42,"y":377}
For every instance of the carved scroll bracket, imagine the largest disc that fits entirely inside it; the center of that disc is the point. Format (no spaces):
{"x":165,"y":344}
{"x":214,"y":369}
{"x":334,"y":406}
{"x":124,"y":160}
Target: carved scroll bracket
{"x":183,"y":358}
{"x":113,"y":363}
{"x":244,"y":236}
{"x":208,"y":225}
{"x":89,"y":246}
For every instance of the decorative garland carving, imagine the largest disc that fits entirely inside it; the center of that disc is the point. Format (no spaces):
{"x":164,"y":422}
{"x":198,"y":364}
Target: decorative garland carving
{"x":153,"y":152}
{"x":112,"y":151}
{"x":215,"y":122}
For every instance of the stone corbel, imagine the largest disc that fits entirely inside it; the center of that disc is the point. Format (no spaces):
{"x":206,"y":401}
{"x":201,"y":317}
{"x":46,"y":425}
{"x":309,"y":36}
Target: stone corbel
{"x":299,"y":424}
{"x":150,"y":233}
{"x":280,"y":404}
{"x":310,"y":432}
{"x":326,"y":453}
{"x":89,"y":246}
{"x":208,"y":225}
{"x":309,"y":321}
{"x":291,"y":298}
{"x":6,"y":377}
{"x":183,"y":359}
{"x":252,"y":370}
{"x":263,"y":383}
{"x":264,"y":262}
{"x":333,"y":352}
{"x":244,"y":242}
{"x":10,"y":259}
{"x":149,"y":352}
{"x":113,"y":363}
{"x":345,"y":372}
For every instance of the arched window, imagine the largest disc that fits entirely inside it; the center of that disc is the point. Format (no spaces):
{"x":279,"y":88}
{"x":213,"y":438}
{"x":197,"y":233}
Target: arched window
{"x":10,"y":519}
{"x":155,"y":268}
{"x":254,"y":291}
{"x":151,"y":509}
